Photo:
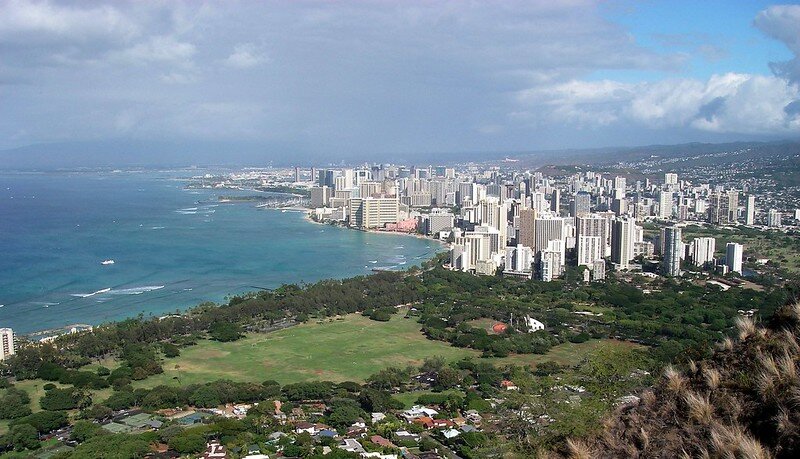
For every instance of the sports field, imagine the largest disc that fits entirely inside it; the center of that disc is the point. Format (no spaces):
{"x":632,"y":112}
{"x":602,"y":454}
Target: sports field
{"x":350,"y":348}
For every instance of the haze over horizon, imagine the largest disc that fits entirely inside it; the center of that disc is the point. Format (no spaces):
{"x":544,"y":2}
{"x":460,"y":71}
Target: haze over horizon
{"x":343,"y":80}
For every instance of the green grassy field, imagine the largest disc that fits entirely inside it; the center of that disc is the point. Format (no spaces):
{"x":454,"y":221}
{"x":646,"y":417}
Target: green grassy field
{"x":352,"y":348}
{"x":347,"y":349}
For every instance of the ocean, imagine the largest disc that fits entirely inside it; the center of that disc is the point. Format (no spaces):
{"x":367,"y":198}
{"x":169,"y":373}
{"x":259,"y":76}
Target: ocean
{"x":172,"y":247}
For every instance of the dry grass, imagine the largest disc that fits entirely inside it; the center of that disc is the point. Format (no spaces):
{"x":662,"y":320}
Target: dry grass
{"x":733,"y":441}
{"x":746,"y":327}
{"x":712,"y":377}
{"x":726,"y":344}
{"x":578,"y":449}
{"x":676,"y":382}
{"x":699,"y":407}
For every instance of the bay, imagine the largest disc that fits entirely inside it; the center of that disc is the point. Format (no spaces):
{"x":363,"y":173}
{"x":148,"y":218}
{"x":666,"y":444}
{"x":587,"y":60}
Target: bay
{"x":173,"y":248}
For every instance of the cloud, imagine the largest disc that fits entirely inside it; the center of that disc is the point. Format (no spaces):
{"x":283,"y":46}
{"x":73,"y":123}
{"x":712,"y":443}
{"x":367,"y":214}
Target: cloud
{"x":369,"y":76}
{"x":163,"y":49}
{"x":729,"y":103}
{"x":244,"y":56}
{"x":782,"y":22}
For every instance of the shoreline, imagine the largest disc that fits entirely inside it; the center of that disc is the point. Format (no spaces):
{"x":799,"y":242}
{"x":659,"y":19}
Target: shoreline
{"x":308,"y":218}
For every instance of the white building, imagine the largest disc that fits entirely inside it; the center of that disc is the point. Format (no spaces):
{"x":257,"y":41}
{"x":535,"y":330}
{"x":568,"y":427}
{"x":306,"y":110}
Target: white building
{"x":733,"y":257}
{"x":665,"y":204}
{"x":750,"y":210}
{"x":590,"y":249}
{"x":703,"y":250}
{"x":372,"y":212}
{"x":7,"y":348}
{"x":774,"y":218}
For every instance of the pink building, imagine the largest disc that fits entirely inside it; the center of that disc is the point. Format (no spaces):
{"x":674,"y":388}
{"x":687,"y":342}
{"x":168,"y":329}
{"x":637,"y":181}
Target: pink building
{"x":403,"y":226}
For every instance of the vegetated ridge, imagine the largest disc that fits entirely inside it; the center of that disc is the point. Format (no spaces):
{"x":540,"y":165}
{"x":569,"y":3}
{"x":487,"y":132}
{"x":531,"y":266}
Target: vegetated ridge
{"x":743,"y":402}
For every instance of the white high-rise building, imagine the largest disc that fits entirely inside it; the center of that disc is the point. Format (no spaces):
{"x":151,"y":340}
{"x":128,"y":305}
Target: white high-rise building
{"x":733,"y":257}
{"x":595,"y":225}
{"x":373,"y":212}
{"x":548,"y":228}
{"x":590,"y":249}
{"x":551,"y":263}
{"x":774,"y":218}
{"x":750,"y":210}
{"x":665,"y":204}
{"x":7,"y":348}
{"x":703,"y":250}
{"x":670,"y":178}
{"x":623,"y":235}
{"x":519,"y":259}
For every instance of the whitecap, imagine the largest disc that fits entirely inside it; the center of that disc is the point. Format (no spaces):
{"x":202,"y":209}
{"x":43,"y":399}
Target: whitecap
{"x":87,"y":295}
{"x":135,"y":290}
{"x":157,"y":227}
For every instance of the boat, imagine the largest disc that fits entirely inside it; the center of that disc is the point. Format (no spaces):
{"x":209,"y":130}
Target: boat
{"x":107,"y":262}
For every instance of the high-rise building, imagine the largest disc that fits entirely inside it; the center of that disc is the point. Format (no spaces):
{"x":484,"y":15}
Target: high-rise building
{"x":750,"y":210}
{"x":723,"y":207}
{"x":582,"y":204}
{"x":703,"y":250}
{"x":673,"y":247}
{"x":527,"y":228}
{"x":665,"y":204}
{"x":623,"y":235}
{"x":551,"y":261}
{"x":320,"y":196}
{"x":670,"y":179}
{"x":372,"y":212}
{"x":590,"y":249}
{"x":296,"y":174}
{"x":774,"y":218}
{"x":555,"y":202}
{"x":548,"y":228}
{"x":519,"y":259}
{"x":7,"y":348}
{"x":733,"y":257}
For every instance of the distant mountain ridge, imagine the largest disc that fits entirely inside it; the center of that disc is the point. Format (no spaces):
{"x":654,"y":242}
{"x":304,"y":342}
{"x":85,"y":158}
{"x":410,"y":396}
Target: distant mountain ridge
{"x":122,"y":153}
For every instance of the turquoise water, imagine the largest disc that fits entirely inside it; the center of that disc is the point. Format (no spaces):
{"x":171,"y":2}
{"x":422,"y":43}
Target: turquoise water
{"x":172,"y":248}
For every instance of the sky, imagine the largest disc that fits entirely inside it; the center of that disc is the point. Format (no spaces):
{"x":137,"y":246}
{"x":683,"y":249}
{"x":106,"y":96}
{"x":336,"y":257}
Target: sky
{"x":338,"y":78}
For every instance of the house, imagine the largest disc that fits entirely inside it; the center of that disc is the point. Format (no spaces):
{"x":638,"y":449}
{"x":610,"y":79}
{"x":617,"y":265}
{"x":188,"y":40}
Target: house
{"x":327,"y":433}
{"x":417,"y":411}
{"x":380,"y":441}
{"x":451,"y":433}
{"x":215,"y":450}
{"x":424,"y":421}
{"x":352,"y":446}
{"x":468,"y":428}
{"x":442,"y":423}
{"x":508,"y":385}
{"x":378,"y":417}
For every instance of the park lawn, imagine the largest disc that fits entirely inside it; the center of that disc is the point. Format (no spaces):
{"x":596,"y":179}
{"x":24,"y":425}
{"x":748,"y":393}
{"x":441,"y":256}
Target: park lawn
{"x":350,"y":348}
{"x":409,"y":399}
{"x":337,"y":350}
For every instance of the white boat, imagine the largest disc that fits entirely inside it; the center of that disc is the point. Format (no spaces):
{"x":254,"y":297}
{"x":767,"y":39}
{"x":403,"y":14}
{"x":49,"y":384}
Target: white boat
{"x":107,"y":262}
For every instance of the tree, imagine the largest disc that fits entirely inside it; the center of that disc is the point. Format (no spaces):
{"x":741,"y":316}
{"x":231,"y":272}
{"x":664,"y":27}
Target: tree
{"x":447,"y":378}
{"x":43,"y":421}
{"x":84,"y":430}
{"x":64,"y":399}
{"x":170,"y":350}
{"x":225,"y":331}
{"x":14,"y":404}
{"x":187,"y":442}
{"x":24,"y":436}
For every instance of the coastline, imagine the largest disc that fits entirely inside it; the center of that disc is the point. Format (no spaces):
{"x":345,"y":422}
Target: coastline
{"x":308,"y":218}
